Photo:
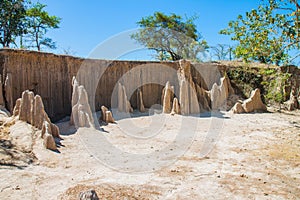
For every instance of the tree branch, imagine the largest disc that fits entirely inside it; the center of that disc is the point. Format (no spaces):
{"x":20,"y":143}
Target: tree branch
{"x":296,"y":3}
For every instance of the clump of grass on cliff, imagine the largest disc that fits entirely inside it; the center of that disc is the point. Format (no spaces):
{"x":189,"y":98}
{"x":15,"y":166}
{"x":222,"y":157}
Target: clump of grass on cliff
{"x":268,"y":78}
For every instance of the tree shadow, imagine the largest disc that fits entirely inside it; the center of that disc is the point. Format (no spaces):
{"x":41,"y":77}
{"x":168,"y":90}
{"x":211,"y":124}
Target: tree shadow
{"x":20,"y":167}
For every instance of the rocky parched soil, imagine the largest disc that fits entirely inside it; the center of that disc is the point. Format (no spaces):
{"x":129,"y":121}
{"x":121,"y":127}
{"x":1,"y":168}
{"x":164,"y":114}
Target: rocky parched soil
{"x":256,"y":156}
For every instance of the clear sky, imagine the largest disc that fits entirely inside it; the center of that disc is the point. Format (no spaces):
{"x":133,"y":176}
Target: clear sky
{"x":85,"y":24}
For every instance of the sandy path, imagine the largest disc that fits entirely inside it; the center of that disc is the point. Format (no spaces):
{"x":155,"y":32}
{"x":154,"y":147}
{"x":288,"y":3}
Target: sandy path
{"x":256,"y":156}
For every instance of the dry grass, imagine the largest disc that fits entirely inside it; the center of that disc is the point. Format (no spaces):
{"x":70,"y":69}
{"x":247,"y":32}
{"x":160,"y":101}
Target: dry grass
{"x":248,"y":65}
{"x":285,"y":152}
{"x":114,"y":191}
{"x":4,"y":129}
{"x":255,"y":187}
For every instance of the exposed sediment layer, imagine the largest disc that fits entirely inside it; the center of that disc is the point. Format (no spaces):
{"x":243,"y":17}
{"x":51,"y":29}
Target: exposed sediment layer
{"x":50,"y":76}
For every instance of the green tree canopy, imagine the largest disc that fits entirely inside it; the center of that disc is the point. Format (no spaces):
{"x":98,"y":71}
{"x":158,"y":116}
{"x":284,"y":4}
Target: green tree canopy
{"x":38,"y":22}
{"x":170,"y":36}
{"x":12,"y":13}
{"x":268,"y":33}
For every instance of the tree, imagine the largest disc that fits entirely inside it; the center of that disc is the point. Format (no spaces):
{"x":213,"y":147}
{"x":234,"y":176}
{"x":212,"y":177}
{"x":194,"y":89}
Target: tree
{"x":222,"y":51}
{"x":12,"y":13}
{"x":38,"y":22}
{"x":170,"y":36}
{"x":268,"y":33}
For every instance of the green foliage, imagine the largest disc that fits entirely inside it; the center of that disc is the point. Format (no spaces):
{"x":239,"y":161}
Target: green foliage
{"x":170,"y":36}
{"x":246,"y":79}
{"x":266,"y":34}
{"x":30,"y":22}
{"x":268,"y":72}
{"x":12,"y":13}
{"x":38,"y":22}
{"x":276,"y":86}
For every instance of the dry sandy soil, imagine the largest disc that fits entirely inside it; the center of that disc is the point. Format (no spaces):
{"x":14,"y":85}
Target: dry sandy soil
{"x":255,"y":156}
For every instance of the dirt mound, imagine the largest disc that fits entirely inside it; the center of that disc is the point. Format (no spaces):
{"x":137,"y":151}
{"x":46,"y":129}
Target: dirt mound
{"x":10,"y":153}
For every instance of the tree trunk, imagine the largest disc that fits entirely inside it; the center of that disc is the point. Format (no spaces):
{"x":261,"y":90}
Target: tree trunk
{"x":38,"y":46}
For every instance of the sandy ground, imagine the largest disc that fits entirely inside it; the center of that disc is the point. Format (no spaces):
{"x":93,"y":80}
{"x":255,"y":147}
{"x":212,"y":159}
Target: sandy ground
{"x":254,"y":156}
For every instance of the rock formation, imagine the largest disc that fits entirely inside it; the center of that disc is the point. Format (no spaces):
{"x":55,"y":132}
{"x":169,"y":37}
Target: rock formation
{"x":228,"y":86}
{"x":252,"y":104}
{"x":49,"y":141}
{"x":292,"y":103}
{"x":38,"y":106}
{"x":54,"y":81}
{"x":193,"y":100}
{"x":184,"y":98}
{"x":106,"y":115}
{"x":219,"y":94}
{"x":74,"y":92}
{"x":103,"y":111}
{"x":238,"y":108}
{"x":30,"y":109}
{"x":189,"y":103}
{"x":203,"y":98}
{"x":26,"y":107}
{"x":81,"y":111}
{"x":16,"y":110}
{"x":8,"y":92}
{"x":175,"y":107}
{"x":140,"y":102}
{"x":168,"y":95}
{"x":2,"y":103}
{"x":123,"y":103}
{"x":215,"y":94}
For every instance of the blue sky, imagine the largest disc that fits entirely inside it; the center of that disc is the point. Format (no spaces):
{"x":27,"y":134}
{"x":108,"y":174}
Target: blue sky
{"x":85,"y":24}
